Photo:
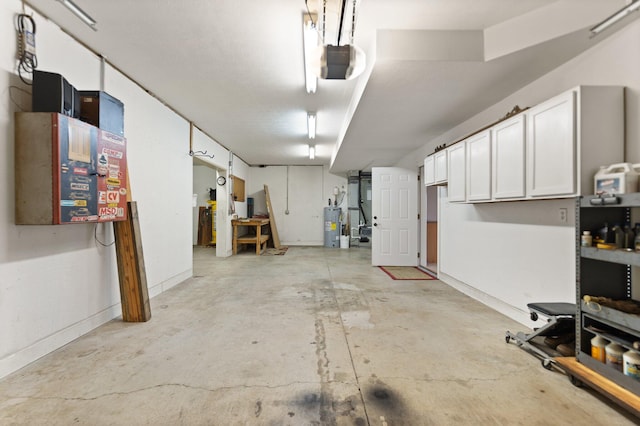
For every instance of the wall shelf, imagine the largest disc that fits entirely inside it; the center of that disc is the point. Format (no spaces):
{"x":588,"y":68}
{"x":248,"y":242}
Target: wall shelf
{"x":605,"y":273}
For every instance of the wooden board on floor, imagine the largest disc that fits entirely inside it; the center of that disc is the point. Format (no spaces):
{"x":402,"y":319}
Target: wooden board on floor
{"x":132,"y":275}
{"x":601,"y":384}
{"x":272,"y":219}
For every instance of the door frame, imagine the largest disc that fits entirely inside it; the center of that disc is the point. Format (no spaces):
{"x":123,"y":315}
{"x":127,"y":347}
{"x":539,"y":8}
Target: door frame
{"x":395,"y":211}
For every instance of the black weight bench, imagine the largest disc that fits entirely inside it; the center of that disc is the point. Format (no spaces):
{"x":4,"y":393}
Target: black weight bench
{"x":561,"y":319}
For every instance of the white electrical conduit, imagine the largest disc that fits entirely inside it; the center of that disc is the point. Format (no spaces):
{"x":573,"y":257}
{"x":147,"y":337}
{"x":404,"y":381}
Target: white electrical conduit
{"x":287,"y":193}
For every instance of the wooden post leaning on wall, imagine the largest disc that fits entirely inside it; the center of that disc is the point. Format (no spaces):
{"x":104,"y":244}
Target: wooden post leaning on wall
{"x":272,"y":219}
{"x":134,"y":293}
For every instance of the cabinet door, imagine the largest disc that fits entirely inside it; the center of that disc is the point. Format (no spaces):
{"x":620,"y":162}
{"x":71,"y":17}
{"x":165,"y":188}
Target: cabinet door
{"x":429,"y":170}
{"x":479,"y":167}
{"x":441,"y":166}
{"x":457,"y":172}
{"x":551,"y":141}
{"x":507,"y":158}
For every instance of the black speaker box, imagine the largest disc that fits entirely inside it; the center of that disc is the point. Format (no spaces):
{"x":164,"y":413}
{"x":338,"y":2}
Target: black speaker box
{"x":102,"y":110}
{"x":51,"y":92}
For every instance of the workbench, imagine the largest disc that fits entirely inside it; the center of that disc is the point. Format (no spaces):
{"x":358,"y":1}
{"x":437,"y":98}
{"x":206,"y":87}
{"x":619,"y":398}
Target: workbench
{"x":259,"y":239}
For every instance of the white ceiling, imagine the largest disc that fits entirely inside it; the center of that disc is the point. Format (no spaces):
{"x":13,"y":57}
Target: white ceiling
{"x":235,"y":67}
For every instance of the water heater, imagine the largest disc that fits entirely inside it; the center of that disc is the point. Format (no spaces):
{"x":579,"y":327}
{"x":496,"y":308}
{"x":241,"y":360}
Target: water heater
{"x":332,"y":226}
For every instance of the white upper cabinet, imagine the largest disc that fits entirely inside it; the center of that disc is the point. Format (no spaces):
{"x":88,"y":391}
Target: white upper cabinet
{"x":478,"y":174}
{"x":429,"y":170}
{"x":441,"y":166}
{"x":569,"y":137}
{"x":552,"y":150}
{"x":457,"y":171}
{"x":435,"y":168}
{"x":551,"y":147}
{"x":507,"y":158}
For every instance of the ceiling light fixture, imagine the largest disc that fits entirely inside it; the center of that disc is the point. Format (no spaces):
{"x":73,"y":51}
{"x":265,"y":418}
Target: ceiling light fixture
{"x":81,"y":14}
{"x":619,"y":15}
{"x":311,"y":125}
{"x":312,"y":152}
{"x":310,"y":38}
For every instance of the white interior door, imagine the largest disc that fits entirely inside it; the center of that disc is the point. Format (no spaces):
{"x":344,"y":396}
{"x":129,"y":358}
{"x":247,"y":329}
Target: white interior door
{"x":394,"y":239}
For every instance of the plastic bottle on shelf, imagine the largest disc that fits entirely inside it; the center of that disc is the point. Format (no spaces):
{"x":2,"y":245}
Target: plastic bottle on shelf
{"x":631,"y":364}
{"x":618,"y":233}
{"x":613,"y":354}
{"x":598,"y":345}
{"x":603,"y":233}
{"x":586,"y":240}
{"x":629,"y":237}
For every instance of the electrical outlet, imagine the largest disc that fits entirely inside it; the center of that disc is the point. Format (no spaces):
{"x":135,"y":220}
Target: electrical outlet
{"x":562,"y":215}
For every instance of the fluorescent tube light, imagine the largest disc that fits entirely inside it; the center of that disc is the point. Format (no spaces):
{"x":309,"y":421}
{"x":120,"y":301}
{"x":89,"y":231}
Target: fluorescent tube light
{"x":312,"y":152}
{"x":81,"y":14}
{"x":619,"y":15}
{"x":311,"y":125}
{"x":310,"y":36}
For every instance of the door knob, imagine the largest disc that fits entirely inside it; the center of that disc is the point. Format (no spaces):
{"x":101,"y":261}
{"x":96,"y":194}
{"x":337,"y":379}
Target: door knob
{"x":375,"y":217}
{"x":375,"y":224}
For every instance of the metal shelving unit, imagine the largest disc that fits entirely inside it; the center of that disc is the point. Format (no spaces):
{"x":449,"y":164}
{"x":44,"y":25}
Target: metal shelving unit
{"x":606,"y":273}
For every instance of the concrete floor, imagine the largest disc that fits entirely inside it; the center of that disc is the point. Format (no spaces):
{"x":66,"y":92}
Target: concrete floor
{"x":315,"y":337}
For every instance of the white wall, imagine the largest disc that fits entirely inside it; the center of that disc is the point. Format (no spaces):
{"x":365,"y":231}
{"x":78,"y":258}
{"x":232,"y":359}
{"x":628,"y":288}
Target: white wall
{"x":218,"y":157}
{"x":513,"y":253}
{"x":241,"y":170}
{"x":161,"y":177}
{"x":303,"y":193}
{"x":56,"y":282}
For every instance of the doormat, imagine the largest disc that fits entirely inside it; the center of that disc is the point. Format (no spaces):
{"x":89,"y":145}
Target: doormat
{"x":406,"y":273}
{"x":276,"y":252}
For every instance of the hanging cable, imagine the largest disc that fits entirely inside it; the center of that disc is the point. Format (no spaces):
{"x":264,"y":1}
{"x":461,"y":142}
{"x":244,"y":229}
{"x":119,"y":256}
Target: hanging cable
{"x":27,"y":60}
{"x":313,"y":24}
{"x":324,"y":20}
{"x":95,"y":237}
{"x":344,"y":11}
{"x":353,"y":22}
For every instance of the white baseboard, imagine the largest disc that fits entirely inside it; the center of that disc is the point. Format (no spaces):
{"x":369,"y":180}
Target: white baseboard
{"x":23,"y":357}
{"x":33,"y":352}
{"x":494,"y":303}
{"x":171,"y":282}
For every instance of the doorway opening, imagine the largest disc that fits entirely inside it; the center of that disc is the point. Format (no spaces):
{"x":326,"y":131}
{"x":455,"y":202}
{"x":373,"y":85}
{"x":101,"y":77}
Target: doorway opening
{"x":431,"y":222}
{"x":359,"y":207}
{"x":207,"y":203}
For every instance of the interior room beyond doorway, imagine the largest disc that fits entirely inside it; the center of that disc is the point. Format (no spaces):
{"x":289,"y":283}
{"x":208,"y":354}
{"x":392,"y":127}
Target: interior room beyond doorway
{"x":359,"y":207}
